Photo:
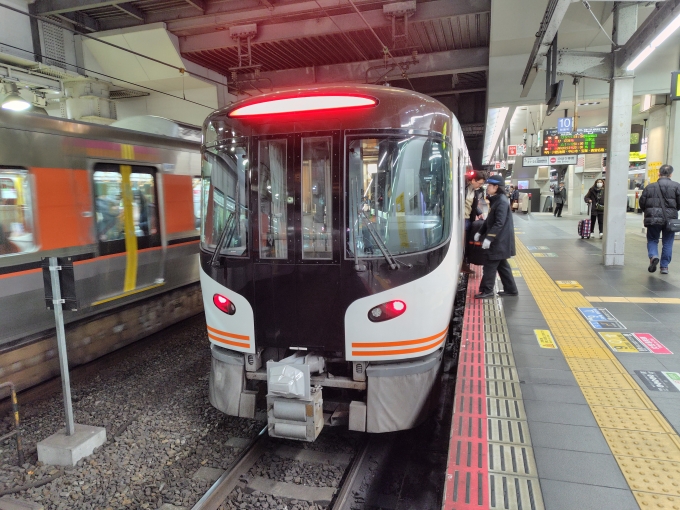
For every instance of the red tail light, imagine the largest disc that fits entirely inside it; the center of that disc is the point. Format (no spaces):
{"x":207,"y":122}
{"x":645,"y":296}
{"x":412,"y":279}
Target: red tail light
{"x":387,"y":311}
{"x":224,"y":304}
{"x":303,"y":104}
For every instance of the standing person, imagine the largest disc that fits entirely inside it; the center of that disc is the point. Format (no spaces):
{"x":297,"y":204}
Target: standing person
{"x":660,"y":201}
{"x":473,"y":194}
{"x":514,"y":199}
{"x":499,"y":239}
{"x":595,"y":197}
{"x":560,"y":199}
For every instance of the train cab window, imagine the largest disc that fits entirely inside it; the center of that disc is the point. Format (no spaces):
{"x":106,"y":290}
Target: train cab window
{"x":273,"y":197}
{"x":225,"y":172}
{"x":316,"y":198}
{"x":112,"y":200}
{"x":401,"y":186}
{"x":16,"y":213}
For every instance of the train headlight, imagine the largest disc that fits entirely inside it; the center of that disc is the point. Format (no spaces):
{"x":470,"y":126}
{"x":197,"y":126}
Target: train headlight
{"x":387,"y":311}
{"x":224,"y":304}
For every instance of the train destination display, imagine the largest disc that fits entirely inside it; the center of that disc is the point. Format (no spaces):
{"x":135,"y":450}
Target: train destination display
{"x":591,"y":140}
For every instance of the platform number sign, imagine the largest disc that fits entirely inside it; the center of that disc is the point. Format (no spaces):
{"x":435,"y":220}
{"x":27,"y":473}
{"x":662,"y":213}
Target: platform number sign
{"x":565,"y":125}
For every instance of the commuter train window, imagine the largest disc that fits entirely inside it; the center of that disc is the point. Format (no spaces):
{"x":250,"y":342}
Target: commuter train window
{"x":16,"y":213}
{"x":272,"y":196}
{"x":111,"y":201}
{"x":402,"y":188}
{"x":225,"y":173}
{"x":196,"y":188}
{"x":316,"y":198}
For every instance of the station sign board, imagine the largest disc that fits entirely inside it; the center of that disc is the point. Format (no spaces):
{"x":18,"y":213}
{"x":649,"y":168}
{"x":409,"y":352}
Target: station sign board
{"x":549,"y":160}
{"x":591,"y":140}
{"x":512,"y":150}
{"x":565,"y":125}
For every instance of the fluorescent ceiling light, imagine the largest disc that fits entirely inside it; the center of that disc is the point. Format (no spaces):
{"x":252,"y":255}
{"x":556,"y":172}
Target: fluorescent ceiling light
{"x":638,"y":60}
{"x":656,"y":42}
{"x":666,"y":32}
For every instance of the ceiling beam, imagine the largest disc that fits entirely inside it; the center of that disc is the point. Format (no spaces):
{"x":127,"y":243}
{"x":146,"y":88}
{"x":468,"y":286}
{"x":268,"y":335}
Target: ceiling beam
{"x":44,"y":7}
{"x":552,"y":19}
{"x":454,"y":92}
{"x":652,"y":26}
{"x":311,"y":10}
{"x":131,"y":10}
{"x":431,"y":64}
{"x":197,"y":4}
{"x":81,"y":20}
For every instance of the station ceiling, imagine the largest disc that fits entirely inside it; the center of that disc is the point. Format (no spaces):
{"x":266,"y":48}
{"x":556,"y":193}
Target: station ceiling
{"x":445,"y":52}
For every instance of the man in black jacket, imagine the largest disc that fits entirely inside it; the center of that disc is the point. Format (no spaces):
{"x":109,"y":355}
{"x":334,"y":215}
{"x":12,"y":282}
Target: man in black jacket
{"x":499,"y":239}
{"x":560,"y":199}
{"x":660,"y":201}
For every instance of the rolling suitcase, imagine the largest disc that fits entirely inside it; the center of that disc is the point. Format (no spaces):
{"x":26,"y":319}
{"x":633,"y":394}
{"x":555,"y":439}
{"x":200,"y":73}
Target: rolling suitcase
{"x":584,"y":226}
{"x":474,"y":253}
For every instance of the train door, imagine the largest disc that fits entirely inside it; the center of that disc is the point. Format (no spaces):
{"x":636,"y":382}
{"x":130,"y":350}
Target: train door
{"x":297,"y":266}
{"x":127,"y":226}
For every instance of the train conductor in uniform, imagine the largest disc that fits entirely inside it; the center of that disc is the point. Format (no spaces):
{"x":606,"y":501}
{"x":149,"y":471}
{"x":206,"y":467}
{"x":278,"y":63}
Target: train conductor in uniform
{"x":499,"y":238}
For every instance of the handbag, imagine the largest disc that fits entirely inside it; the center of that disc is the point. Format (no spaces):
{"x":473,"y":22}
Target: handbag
{"x":598,"y":206}
{"x":673,"y":224}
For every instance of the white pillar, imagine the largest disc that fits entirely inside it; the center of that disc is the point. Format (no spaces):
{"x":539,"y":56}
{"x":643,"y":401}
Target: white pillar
{"x":574,"y":197}
{"x":674,"y":137}
{"x":618,"y":149}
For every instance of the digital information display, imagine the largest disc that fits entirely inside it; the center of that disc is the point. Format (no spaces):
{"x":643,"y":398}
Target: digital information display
{"x":585,"y":141}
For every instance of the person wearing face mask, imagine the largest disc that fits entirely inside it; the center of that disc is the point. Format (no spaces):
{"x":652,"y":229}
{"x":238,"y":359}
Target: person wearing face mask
{"x":560,"y":199}
{"x":499,"y":238}
{"x":595,"y":197}
{"x":473,"y":194}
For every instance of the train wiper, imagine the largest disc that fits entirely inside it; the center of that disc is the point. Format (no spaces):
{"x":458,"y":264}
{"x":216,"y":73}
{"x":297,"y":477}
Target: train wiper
{"x":379,"y":241}
{"x":227,"y":233}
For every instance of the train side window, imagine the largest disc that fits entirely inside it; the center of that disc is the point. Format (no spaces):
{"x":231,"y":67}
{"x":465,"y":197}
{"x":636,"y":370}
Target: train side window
{"x":272,"y":196}
{"x":16,"y":212}
{"x":111,"y":204}
{"x":196,"y":187}
{"x":317,"y":214}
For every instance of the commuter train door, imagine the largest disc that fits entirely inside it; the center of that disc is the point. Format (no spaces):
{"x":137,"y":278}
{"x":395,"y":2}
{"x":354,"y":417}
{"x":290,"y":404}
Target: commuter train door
{"x":127,"y":225}
{"x":297,"y":269}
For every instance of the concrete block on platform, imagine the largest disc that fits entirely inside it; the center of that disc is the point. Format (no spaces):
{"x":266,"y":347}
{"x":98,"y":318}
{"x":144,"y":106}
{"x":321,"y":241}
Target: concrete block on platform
{"x":62,"y":450}
{"x":237,"y":442}
{"x":168,"y":506}
{"x":8,"y":503}
{"x":319,"y":495}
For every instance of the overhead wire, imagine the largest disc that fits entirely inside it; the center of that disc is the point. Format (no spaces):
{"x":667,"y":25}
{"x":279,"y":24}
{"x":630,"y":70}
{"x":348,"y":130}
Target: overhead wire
{"x":343,"y":33}
{"x":386,"y":50}
{"x":64,"y":27}
{"x":113,"y":77}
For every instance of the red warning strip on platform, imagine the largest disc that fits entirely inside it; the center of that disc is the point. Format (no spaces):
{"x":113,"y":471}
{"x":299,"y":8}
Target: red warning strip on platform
{"x":467,"y":474}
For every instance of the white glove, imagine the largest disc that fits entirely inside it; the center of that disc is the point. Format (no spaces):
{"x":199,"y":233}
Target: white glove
{"x":477,"y":236}
{"x":486,"y":244}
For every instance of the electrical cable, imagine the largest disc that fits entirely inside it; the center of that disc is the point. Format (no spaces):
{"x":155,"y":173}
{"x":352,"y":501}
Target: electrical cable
{"x":587,"y":6}
{"x":112,"y":77}
{"x":64,"y":27}
{"x":385,"y":48}
{"x":349,"y":40}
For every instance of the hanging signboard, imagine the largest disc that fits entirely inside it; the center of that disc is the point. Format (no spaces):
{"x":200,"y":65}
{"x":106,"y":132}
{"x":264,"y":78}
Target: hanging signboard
{"x":585,"y":141}
{"x":564,"y":125}
{"x":549,"y":160}
{"x":512,"y":150}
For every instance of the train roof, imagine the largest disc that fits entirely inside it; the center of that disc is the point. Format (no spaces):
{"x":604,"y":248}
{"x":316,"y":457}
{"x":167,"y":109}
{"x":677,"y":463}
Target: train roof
{"x":77,"y":129}
{"x":393,"y":108}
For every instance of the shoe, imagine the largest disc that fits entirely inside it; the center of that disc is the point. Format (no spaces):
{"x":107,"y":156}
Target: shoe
{"x":484,"y":295}
{"x":664,"y":270}
{"x":601,"y":234}
{"x":503,"y":293}
{"x":652,"y":264}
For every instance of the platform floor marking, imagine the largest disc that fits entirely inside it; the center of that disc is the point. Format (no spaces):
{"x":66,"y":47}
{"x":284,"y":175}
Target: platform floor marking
{"x":636,"y":300}
{"x":623,"y":411}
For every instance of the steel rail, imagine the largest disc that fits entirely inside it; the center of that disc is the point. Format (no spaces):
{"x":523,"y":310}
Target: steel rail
{"x":342,"y":499}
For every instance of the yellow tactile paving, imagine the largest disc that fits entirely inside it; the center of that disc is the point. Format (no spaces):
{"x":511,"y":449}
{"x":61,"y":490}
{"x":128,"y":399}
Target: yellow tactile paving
{"x":644,"y":444}
{"x":617,"y":398}
{"x":632,"y":443}
{"x":650,"y":501}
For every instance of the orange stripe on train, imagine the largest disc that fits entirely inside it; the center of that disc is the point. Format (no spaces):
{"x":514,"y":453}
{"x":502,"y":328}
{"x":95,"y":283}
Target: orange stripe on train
{"x":228,"y":342}
{"x":227,"y":334}
{"x":399,"y":343}
{"x":401,"y":351}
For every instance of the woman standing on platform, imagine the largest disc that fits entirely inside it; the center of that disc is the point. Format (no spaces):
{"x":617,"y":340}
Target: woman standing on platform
{"x":499,"y":239}
{"x":595,"y":197}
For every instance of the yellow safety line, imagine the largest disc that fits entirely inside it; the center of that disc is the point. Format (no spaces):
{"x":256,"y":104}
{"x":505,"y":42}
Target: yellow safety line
{"x":619,"y":299}
{"x":130,"y":237}
{"x":642,"y":441}
{"x":126,"y":294}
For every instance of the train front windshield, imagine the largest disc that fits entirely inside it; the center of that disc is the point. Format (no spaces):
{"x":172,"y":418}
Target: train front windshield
{"x":401,"y":187}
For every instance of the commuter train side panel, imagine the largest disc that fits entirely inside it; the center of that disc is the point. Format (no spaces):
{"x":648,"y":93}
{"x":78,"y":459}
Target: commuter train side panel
{"x":66,"y":189}
{"x":332,"y":228}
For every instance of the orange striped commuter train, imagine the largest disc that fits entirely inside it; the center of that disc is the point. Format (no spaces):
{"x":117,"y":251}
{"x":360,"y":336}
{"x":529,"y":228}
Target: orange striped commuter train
{"x":331,"y":244}
{"x":124,"y":205}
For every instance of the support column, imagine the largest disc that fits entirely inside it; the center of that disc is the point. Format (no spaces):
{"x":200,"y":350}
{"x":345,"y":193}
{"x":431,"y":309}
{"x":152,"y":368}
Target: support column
{"x":618,"y":148}
{"x":674,"y":136}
